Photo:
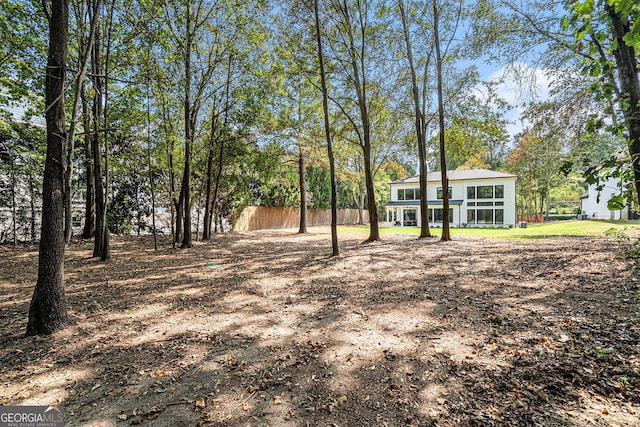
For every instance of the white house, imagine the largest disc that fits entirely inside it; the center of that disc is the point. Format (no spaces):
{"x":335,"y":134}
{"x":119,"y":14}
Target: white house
{"x":477,"y":198}
{"x":594,"y":203}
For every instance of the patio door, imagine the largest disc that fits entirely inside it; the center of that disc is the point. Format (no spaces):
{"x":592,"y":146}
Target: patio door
{"x":409,"y":218}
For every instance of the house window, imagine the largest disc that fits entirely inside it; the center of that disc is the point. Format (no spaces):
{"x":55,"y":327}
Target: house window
{"x":408,"y":194}
{"x":485,"y":192}
{"x":485,"y":216}
{"x":471,"y":216}
{"x":440,"y":196}
{"x":76,"y":221}
{"x":438,"y":213}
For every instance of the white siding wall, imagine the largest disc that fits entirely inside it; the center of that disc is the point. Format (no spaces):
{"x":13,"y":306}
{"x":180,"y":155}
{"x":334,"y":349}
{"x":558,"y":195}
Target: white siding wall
{"x":599,"y":210}
{"x":459,"y":192}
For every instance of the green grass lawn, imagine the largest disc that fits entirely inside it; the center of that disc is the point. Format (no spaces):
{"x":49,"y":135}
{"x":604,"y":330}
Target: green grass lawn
{"x":533,"y":231}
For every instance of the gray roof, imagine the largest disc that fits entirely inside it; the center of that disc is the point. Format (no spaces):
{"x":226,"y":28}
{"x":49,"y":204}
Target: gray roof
{"x":458,"y":175}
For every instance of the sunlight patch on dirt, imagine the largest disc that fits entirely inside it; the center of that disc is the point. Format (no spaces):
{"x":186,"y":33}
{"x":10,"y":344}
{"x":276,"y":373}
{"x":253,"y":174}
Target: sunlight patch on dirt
{"x":46,"y":388}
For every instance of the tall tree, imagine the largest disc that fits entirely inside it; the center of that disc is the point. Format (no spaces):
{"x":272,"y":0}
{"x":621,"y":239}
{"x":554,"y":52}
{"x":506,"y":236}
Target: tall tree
{"x":353,"y":24}
{"x":335,"y":250}
{"x":446,"y":234}
{"x":84,"y":49}
{"x":99,"y":67}
{"x":420,"y":124}
{"x":48,"y":309}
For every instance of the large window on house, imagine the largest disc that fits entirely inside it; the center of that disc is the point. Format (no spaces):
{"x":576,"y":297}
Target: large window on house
{"x":435,"y":215}
{"x":439,"y":194}
{"x":486,"y":192}
{"x":485,"y":216}
{"x":408,"y":194}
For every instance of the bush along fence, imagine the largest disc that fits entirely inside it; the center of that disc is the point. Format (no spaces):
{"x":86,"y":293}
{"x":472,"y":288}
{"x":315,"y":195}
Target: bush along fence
{"x":261,"y":218}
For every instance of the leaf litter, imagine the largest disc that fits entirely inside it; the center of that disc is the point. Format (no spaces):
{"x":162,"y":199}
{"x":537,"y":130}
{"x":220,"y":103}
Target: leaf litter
{"x":274,"y":332}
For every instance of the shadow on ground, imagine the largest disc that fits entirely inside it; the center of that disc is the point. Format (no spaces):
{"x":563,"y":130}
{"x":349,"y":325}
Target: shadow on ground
{"x":266,"y":329}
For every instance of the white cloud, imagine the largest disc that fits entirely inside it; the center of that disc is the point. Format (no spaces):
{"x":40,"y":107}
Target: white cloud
{"x":519,"y":84}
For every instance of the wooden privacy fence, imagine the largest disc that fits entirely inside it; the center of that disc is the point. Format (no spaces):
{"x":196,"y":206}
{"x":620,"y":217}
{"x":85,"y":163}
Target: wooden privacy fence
{"x":531,"y":218}
{"x":261,"y":218}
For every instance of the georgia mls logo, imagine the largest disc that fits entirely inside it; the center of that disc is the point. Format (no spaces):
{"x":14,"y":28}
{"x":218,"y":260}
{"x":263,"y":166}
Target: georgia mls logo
{"x":31,"y":416}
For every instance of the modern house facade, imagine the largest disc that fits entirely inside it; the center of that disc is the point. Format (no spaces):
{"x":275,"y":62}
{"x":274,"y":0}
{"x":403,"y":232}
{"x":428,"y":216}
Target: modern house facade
{"x":477,"y":198}
{"x":594,"y":203}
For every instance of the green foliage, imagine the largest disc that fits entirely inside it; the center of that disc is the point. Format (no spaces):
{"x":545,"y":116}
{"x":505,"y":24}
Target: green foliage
{"x":22,"y":151}
{"x":319,"y":184}
{"x":631,"y":246}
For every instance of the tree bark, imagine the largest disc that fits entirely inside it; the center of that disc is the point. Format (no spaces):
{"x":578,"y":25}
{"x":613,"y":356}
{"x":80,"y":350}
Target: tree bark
{"x":99,"y":242}
{"x":14,"y":214}
{"x":48,"y":309}
{"x":188,"y":138}
{"x":446,"y":234}
{"x":208,"y":203}
{"x":78,"y":86}
{"x":420,"y":129}
{"x":89,"y":229}
{"x":302,"y":183}
{"x":360,"y":86}
{"x":335,"y":250}
{"x":627,"y":66}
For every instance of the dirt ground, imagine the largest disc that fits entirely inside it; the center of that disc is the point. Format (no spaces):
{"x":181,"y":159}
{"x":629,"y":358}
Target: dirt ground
{"x":264,"y":329}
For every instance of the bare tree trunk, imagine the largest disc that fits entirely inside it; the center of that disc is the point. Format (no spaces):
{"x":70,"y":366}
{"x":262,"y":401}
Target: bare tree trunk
{"x":360,"y":86}
{"x":14,"y":214}
{"x":361,"y":200}
{"x":90,"y":204}
{"x":98,"y":102}
{"x":302,"y":183}
{"x":32,"y":207}
{"x":208,"y":203}
{"x":446,"y":234}
{"x":48,"y":309}
{"x":78,"y":85}
{"x":420,"y":129}
{"x":188,"y":138}
{"x":627,"y":66}
{"x":149,"y":169}
{"x":335,"y":250}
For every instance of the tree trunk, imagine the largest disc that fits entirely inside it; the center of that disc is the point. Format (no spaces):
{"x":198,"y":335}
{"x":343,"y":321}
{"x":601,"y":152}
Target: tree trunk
{"x":208,"y":203}
{"x":335,"y":250}
{"x":360,"y":86}
{"x":99,"y":243}
{"x":32,"y":206}
{"x":48,"y":309}
{"x":361,"y":199}
{"x":14,"y":214}
{"x":78,"y":86}
{"x":302,"y":173}
{"x":420,"y":129}
{"x":374,"y":233}
{"x":152,"y":188}
{"x":90,"y":204}
{"x":188,"y":137}
{"x":446,"y":234}
{"x":627,"y":66}
{"x":179,"y":217}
